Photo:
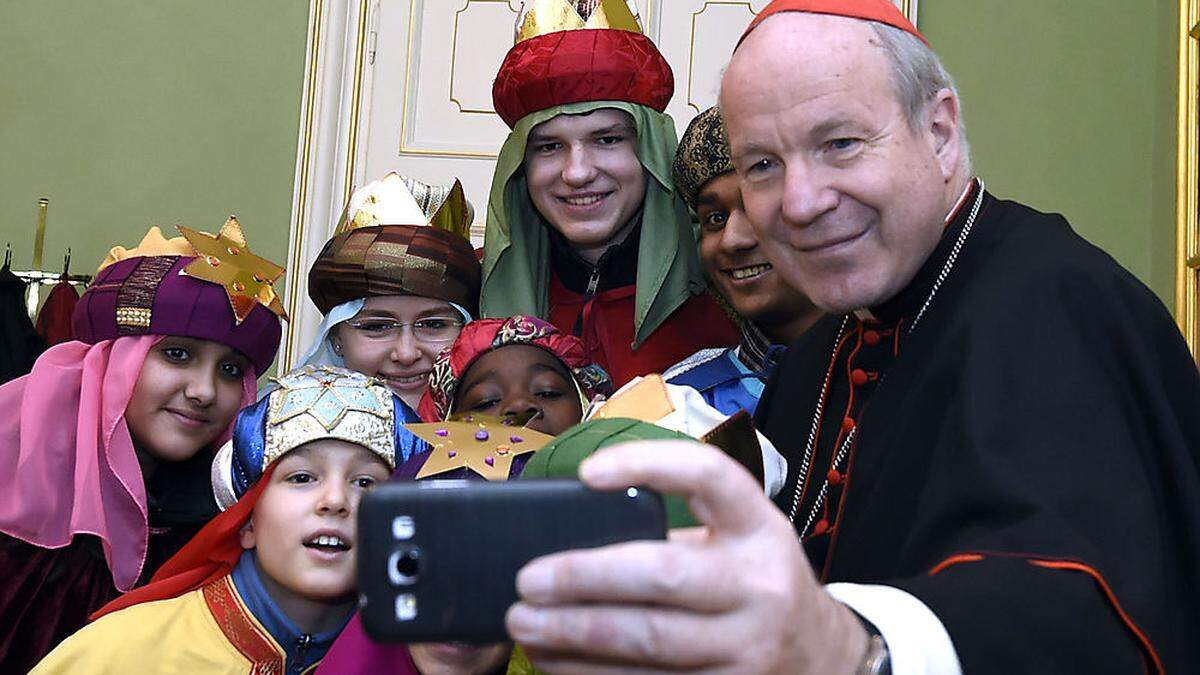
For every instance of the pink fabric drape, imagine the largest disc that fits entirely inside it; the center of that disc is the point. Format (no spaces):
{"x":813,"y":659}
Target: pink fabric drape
{"x":67,"y":462}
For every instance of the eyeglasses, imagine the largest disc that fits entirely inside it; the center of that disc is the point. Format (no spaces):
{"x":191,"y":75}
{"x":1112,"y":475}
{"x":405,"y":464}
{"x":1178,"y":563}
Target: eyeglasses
{"x":430,"y":329}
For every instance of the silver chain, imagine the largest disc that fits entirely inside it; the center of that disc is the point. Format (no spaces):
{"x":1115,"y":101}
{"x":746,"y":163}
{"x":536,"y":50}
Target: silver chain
{"x":812,"y":433}
{"x":837,"y":461}
{"x":962,"y":238}
{"x":809,"y":448}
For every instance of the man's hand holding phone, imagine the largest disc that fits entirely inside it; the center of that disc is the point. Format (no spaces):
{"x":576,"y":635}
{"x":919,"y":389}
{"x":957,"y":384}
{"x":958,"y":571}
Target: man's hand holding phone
{"x":736,"y":595}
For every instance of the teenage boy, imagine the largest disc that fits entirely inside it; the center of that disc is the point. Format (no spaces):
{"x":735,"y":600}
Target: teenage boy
{"x":585,"y":228}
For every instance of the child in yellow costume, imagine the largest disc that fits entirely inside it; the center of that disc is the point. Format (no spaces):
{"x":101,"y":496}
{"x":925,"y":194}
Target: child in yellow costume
{"x":269,"y":584}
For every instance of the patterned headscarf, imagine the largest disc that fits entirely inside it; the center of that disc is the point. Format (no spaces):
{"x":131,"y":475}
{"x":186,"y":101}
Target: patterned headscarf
{"x":703,"y":154}
{"x":482,"y":336}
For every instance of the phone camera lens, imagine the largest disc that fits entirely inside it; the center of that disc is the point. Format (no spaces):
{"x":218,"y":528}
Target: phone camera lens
{"x":404,"y":566}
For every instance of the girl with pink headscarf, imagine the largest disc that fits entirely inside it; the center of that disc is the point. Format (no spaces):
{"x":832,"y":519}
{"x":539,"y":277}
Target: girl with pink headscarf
{"x":106,"y":446}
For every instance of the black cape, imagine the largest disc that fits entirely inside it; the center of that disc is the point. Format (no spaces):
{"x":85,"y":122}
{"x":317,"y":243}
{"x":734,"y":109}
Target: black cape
{"x":1024,"y":461}
{"x":20,"y":344}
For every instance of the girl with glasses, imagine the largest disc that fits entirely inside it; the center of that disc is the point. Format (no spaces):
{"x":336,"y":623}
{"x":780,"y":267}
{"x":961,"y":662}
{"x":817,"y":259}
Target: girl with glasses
{"x":396,"y":283}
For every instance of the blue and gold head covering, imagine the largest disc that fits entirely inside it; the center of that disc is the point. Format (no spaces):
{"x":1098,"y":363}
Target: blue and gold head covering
{"x":313,"y":403}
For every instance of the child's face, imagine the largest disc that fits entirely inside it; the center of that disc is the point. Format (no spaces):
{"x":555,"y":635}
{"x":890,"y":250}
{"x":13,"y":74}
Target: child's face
{"x":521,"y":378}
{"x":186,"y":395}
{"x":303,"y":527}
{"x":453,"y":658}
{"x":402,"y":357}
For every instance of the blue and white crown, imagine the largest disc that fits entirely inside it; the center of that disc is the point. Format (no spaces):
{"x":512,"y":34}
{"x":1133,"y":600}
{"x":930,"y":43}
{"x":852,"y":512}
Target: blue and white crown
{"x":313,"y":403}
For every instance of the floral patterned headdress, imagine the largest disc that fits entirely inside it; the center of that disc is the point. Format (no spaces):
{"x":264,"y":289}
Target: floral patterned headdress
{"x":482,"y":336}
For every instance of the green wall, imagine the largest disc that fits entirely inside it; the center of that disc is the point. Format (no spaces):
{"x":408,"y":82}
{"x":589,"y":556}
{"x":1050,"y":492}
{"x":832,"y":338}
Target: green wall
{"x":128,"y":113}
{"x":1070,"y":107}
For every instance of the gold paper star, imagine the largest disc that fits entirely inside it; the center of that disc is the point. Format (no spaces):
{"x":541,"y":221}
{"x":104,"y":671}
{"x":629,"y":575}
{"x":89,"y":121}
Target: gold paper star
{"x":226,"y":260}
{"x":646,"y":401}
{"x":481,"y":444}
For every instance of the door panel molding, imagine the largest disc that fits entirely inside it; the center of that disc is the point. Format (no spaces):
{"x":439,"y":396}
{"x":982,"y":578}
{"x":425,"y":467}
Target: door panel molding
{"x":1187,"y":204}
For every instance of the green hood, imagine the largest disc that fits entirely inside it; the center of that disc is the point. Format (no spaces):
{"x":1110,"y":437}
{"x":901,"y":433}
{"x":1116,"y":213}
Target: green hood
{"x":516,"y":258}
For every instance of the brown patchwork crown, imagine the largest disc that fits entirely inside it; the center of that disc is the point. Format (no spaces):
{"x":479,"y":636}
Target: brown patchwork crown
{"x":399,"y":236}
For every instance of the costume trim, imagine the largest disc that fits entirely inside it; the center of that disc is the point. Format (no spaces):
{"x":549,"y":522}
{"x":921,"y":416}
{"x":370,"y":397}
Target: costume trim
{"x":694,"y":361}
{"x":1154,"y":663}
{"x":241,"y":629}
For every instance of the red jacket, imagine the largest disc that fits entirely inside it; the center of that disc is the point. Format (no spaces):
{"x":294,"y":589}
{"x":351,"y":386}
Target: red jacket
{"x":607,"y":330}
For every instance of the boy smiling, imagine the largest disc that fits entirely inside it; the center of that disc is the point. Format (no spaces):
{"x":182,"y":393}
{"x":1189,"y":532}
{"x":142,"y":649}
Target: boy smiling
{"x":770,"y":313}
{"x":269,"y":584}
{"x":585,"y":229}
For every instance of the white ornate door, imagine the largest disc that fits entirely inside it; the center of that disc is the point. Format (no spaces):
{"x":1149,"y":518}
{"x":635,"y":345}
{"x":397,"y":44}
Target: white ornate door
{"x":406,"y":85}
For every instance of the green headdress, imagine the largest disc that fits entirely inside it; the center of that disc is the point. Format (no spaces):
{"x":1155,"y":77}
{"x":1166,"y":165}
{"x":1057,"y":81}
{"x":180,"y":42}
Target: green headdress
{"x":516,"y":261}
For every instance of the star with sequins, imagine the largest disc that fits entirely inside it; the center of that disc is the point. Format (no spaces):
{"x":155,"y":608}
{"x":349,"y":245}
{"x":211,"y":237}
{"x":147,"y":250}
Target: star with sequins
{"x":485,"y":445}
{"x":226,"y":260}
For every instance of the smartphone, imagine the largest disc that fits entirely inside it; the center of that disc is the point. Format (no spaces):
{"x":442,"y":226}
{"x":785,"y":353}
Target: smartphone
{"x":437,"y":560}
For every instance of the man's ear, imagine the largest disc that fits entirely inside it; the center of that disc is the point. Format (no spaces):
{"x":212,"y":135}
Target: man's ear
{"x":943,"y":127}
{"x":246,"y":535}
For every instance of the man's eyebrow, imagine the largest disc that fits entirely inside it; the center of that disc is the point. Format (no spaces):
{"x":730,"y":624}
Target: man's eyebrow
{"x":708,"y":199}
{"x":618,"y":127}
{"x":750,"y":148}
{"x":829,"y":126}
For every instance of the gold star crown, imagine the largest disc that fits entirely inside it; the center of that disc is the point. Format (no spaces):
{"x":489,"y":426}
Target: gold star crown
{"x":225,"y":260}
{"x":153,"y":244}
{"x":541,"y":17}
{"x":482,"y":444}
{"x":400,"y":200}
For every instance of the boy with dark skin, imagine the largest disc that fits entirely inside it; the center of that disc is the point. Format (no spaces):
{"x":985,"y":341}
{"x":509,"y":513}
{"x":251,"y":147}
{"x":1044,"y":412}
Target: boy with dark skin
{"x":770,"y":313}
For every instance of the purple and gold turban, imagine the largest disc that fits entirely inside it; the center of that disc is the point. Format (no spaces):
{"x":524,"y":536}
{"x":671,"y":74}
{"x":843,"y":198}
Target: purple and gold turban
{"x":200,"y":285}
{"x":399,"y":236}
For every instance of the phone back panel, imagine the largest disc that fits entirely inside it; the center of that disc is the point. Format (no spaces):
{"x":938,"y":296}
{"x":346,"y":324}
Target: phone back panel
{"x":438,"y":560}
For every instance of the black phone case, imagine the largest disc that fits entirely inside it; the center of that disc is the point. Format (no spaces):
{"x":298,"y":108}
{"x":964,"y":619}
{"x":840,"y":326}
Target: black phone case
{"x":471,"y":538}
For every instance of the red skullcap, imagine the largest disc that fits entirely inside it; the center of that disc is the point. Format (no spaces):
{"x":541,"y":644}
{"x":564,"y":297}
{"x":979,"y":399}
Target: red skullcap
{"x":879,"y":11}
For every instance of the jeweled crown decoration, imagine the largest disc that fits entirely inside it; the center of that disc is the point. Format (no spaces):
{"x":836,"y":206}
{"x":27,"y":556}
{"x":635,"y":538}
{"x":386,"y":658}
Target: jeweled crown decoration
{"x":400,"y":200}
{"x":225,"y":259}
{"x":315,"y":402}
{"x":540,"y":17}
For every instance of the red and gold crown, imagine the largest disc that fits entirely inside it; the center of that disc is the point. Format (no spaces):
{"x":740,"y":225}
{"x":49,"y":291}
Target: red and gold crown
{"x":568,"y":51}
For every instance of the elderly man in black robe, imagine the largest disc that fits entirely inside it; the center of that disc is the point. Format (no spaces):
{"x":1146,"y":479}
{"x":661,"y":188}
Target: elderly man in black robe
{"x":992,"y":440}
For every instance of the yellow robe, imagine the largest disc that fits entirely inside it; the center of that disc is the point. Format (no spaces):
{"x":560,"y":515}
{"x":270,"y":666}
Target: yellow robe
{"x":208,"y":630}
